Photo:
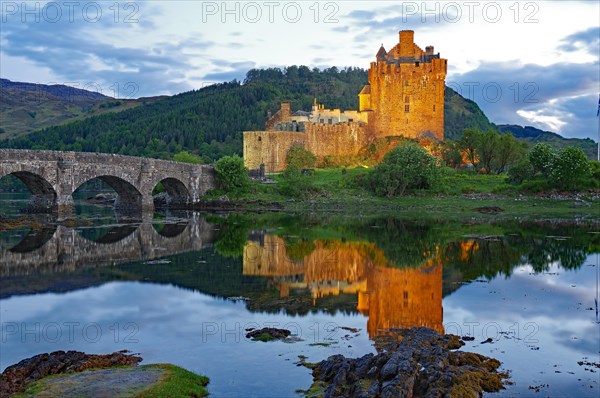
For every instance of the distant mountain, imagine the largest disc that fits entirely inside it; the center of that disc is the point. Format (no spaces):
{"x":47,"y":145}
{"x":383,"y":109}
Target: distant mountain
{"x":534,"y":135}
{"x":27,"y":107}
{"x":210,"y":121}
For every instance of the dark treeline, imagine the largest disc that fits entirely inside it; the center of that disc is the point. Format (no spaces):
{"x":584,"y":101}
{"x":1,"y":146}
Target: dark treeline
{"x":209,"y":122}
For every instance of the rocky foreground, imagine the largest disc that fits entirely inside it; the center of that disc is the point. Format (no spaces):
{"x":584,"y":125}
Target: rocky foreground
{"x":417,"y":362}
{"x":16,"y":377}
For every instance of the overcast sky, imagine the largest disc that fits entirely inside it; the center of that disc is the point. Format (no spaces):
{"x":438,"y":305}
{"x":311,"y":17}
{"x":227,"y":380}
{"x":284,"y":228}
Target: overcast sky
{"x":529,"y":63}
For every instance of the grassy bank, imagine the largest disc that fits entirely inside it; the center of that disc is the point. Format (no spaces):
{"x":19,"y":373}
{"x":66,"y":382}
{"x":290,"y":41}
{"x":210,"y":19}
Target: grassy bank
{"x":457,"y":195}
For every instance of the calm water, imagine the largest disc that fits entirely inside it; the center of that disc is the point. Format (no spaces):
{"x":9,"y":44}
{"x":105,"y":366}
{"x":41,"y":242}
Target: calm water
{"x":183,"y":288}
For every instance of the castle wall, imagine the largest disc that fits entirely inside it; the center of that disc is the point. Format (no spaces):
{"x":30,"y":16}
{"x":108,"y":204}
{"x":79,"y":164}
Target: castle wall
{"x":341,"y":139}
{"x":270,"y":148}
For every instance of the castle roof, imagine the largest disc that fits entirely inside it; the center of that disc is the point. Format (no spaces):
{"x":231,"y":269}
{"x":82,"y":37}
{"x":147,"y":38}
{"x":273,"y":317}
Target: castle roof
{"x":365,"y":90}
{"x":381,"y":53}
{"x":301,"y":113}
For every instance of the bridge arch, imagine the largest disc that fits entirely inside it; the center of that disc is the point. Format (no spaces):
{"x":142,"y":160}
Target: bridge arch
{"x":43,"y":194}
{"x":128,"y":195}
{"x":176,"y":193}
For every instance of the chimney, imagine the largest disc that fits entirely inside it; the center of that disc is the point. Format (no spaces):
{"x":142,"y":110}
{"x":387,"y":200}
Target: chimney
{"x":286,"y":110}
{"x":407,"y":43}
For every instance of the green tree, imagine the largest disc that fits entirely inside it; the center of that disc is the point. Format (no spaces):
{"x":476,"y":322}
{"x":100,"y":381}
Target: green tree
{"x":232,"y":176}
{"x":486,"y":145}
{"x":408,"y":166}
{"x":570,"y":167}
{"x":542,"y":158}
{"x":509,"y":151}
{"x":186,"y":157}
{"x":452,"y":154}
{"x":468,"y":144}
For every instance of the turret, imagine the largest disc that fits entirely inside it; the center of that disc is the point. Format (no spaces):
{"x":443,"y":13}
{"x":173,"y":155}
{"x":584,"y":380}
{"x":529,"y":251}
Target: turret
{"x":429,"y":50}
{"x":381,"y":54}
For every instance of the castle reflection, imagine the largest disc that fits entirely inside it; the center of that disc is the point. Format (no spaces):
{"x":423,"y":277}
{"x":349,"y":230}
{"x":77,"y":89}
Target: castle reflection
{"x":391,"y":297}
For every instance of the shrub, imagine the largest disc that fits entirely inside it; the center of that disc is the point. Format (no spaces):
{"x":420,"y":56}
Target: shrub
{"x":296,"y":184}
{"x":408,"y":166}
{"x":542,"y":158}
{"x":521,"y":171}
{"x":232,"y":176}
{"x":300,"y":158}
{"x":569,"y":167}
{"x":595,"y":169}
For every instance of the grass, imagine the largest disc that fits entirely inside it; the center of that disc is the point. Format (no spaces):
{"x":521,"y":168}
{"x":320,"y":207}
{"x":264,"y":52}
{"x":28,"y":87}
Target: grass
{"x":177,"y":382}
{"x":174,"y":382}
{"x":456,"y":196}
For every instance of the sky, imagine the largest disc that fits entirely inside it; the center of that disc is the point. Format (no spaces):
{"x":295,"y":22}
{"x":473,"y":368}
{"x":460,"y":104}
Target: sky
{"x":524,"y":62}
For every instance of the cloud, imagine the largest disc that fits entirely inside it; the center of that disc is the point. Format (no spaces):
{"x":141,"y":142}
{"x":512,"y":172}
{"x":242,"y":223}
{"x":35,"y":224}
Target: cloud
{"x":235,"y":70}
{"x":586,"y":40}
{"x":559,"y":97}
{"x":85,"y":53}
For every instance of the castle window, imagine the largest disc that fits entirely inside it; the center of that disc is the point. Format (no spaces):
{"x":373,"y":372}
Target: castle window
{"x":330,"y":121}
{"x":406,"y":108}
{"x":259,"y":138}
{"x":406,"y":100}
{"x":417,"y":64}
{"x":322,"y":120}
{"x":434,"y":108}
{"x":424,"y":83}
{"x":350,"y":120}
{"x":406,"y":82}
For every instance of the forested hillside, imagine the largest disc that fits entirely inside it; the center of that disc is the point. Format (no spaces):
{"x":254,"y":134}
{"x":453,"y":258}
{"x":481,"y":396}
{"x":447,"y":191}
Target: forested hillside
{"x":210,"y":121}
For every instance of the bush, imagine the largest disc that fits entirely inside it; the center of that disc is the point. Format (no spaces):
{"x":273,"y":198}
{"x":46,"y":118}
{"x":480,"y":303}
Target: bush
{"x":569,"y":167}
{"x":408,"y":166}
{"x":521,"y":171}
{"x":296,"y":184}
{"x":298,"y":157}
{"x":232,"y":176}
{"x":542,"y":158}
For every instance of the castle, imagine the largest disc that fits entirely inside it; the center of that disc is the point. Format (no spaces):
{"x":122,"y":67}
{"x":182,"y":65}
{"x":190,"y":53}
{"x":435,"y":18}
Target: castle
{"x":391,"y":297}
{"x":404,"y":98}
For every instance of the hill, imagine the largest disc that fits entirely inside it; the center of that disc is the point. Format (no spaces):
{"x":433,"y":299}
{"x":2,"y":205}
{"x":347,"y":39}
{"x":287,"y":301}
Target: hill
{"x":461,"y":113}
{"x":27,"y":107}
{"x":534,"y":135}
{"x":210,"y":121}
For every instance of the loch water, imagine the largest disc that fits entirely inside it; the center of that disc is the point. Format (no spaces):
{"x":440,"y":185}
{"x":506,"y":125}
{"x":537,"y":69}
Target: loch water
{"x":183,"y":288}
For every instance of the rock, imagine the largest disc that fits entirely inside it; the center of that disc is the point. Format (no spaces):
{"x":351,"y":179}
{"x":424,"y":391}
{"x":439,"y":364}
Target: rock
{"x":268,"y":334}
{"x":16,"y":377}
{"x":224,"y":199}
{"x":489,"y":210}
{"x":416,"y":362}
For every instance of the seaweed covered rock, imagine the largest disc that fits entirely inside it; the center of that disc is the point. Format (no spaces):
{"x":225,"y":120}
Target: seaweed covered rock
{"x":417,"y":362}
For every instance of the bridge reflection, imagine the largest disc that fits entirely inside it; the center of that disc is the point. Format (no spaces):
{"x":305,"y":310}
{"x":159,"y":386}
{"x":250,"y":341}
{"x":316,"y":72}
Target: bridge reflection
{"x":391,"y":297}
{"x":59,"y":248}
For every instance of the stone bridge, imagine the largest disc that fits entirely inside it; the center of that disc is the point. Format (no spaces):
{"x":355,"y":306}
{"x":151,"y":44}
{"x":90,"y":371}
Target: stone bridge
{"x":63,"y":249}
{"x":53,"y":176}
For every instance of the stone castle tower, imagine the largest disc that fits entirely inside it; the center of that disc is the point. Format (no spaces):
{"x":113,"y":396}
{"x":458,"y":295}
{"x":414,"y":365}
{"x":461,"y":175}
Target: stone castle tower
{"x":404,"y":98}
{"x":405,"y":94}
